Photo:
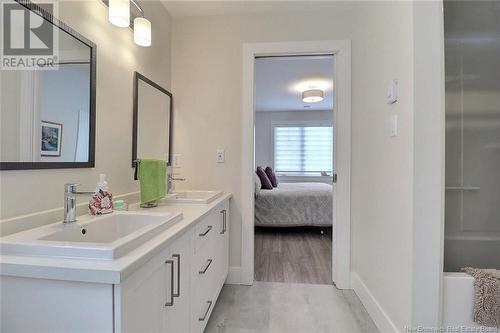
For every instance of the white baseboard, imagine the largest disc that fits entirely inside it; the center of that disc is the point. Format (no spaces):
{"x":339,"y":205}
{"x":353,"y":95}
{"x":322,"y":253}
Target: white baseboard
{"x":375,"y":310}
{"x":234,"y":275}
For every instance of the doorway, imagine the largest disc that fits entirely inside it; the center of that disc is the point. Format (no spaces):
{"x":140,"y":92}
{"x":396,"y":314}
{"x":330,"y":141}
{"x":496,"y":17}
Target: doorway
{"x":294,"y":163}
{"x":340,"y":274}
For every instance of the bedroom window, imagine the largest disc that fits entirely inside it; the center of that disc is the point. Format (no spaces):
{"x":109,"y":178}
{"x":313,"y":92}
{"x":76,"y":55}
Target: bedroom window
{"x":303,"y":150}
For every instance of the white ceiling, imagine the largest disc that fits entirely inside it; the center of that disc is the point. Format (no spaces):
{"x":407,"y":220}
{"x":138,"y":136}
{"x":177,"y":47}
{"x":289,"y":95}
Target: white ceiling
{"x":181,"y":8}
{"x":279,"y":82}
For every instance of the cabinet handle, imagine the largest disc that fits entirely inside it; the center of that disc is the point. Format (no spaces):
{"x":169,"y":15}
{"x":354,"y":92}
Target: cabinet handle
{"x":223,"y":212}
{"x":171,"y":263}
{"x":178,"y":293}
{"x":206,"y":311}
{"x":225,"y":221}
{"x":206,"y":231}
{"x":204,"y":270}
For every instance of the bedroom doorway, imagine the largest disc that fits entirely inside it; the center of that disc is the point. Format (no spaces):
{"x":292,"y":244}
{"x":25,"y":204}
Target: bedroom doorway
{"x":341,"y":224}
{"x":294,"y":163}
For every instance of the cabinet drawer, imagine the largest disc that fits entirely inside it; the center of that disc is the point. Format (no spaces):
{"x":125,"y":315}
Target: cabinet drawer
{"x":201,"y":313}
{"x":203,"y":296}
{"x":204,"y":283}
{"x":205,"y":272}
{"x":205,"y":232}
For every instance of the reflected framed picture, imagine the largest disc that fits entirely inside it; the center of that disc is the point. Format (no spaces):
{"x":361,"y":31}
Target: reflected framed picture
{"x":51,"y":139}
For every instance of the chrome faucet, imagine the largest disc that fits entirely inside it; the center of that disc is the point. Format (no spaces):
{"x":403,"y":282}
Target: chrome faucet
{"x":170,"y":182}
{"x":70,"y":193}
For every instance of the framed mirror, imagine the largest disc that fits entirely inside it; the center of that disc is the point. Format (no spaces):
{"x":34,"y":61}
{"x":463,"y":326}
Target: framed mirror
{"x":152,"y":126}
{"x":47,"y":111}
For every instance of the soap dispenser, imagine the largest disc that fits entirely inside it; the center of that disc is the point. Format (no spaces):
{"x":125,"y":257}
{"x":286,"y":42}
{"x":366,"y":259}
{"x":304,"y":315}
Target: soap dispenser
{"x":102,"y":200}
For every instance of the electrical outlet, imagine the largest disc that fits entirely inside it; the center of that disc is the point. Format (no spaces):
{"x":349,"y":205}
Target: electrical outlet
{"x":221,"y":158}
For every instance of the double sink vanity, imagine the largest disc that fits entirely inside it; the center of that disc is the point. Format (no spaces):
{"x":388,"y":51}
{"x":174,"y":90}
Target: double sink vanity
{"x":144,"y":270}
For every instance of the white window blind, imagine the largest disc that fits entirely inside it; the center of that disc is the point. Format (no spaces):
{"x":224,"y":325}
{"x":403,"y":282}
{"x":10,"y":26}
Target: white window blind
{"x":303,"y":149}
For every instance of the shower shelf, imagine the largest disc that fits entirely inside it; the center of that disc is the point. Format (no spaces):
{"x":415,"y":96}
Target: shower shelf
{"x":462,"y":188}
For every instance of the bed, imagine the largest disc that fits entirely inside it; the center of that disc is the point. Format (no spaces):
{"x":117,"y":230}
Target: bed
{"x":294,"y":204}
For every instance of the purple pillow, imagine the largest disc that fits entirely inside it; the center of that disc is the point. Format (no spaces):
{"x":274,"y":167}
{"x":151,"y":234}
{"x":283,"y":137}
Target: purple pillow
{"x":264,"y":180}
{"x":272,"y":176}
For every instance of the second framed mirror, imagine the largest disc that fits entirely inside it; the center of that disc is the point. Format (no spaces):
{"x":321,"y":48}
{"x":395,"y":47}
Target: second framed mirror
{"x":152,"y":126}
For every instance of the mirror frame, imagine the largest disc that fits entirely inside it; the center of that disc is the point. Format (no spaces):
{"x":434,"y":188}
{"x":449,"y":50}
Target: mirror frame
{"x":92,"y":126}
{"x":138,"y":76}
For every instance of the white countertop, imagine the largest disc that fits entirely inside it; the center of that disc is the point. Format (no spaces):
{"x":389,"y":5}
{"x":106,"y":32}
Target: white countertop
{"x":108,"y":271}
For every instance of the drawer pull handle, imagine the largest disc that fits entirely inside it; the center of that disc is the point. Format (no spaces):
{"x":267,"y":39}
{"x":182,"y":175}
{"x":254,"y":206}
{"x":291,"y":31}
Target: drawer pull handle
{"x":171,"y":302}
{"x":206,"y":231}
{"x":206,"y":311}
{"x":204,"y":270}
{"x":224,"y":219}
{"x":178,"y":293}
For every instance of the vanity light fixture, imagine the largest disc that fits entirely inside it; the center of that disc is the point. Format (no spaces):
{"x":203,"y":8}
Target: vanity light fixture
{"x":142,"y":27}
{"x":142,"y":32}
{"x":119,"y":13}
{"x":312,"y":96}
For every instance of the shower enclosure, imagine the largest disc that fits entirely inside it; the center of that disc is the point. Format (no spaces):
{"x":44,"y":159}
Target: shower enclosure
{"x":472,"y":67}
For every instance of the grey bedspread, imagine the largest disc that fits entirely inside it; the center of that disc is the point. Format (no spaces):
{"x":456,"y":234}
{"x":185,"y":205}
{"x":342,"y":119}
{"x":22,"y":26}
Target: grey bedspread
{"x":294,"y":204}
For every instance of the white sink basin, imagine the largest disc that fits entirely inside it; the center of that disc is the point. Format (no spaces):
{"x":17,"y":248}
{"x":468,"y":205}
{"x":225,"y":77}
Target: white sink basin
{"x":104,"y":237}
{"x":202,"y":197}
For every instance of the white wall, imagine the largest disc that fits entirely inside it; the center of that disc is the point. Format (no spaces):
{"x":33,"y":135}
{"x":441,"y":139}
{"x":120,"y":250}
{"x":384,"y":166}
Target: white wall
{"x":207,"y":87}
{"x":428,"y":169}
{"x":25,"y":192}
{"x":207,"y":81}
{"x":61,"y":103}
{"x":382,"y":166}
{"x":10,"y":122}
{"x":264,"y":131}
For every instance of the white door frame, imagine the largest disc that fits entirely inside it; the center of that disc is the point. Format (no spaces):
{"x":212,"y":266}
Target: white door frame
{"x":341,"y":49}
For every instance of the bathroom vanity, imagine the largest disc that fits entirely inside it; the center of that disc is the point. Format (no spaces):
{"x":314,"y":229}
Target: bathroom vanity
{"x":167,"y":282}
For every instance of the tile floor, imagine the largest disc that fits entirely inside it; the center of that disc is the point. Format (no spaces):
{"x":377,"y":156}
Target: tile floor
{"x":269,"y":307}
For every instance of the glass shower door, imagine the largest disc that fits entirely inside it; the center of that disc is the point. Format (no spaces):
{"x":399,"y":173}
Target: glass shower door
{"x":472,"y":57}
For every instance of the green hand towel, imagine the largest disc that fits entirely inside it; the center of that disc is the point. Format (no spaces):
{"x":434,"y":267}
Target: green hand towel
{"x":152,"y":174}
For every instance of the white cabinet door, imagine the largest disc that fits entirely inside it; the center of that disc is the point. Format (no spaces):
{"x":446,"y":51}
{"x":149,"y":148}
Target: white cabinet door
{"x":175,"y":292}
{"x":223,"y":240}
{"x":177,"y":317}
{"x":144,"y":295}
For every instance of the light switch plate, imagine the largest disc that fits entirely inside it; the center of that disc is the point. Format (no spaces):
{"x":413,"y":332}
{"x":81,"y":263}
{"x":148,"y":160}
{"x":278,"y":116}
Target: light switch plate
{"x":392,"y":92}
{"x":221,"y":158}
{"x":394,"y":126}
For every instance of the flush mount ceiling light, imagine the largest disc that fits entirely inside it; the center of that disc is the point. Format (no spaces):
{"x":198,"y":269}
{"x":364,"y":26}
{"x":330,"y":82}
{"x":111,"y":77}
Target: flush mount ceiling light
{"x":312,"y":96}
{"x":119,"y":13}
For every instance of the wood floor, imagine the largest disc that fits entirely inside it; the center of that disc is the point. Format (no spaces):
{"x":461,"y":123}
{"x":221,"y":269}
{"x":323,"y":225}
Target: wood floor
{"x":294,"y":255}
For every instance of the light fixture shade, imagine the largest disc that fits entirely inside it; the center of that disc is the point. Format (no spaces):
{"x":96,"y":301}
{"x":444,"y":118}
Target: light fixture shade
{"x":142,"y":32}
{"x":312,"y":96}
{"x":119,"y":13}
